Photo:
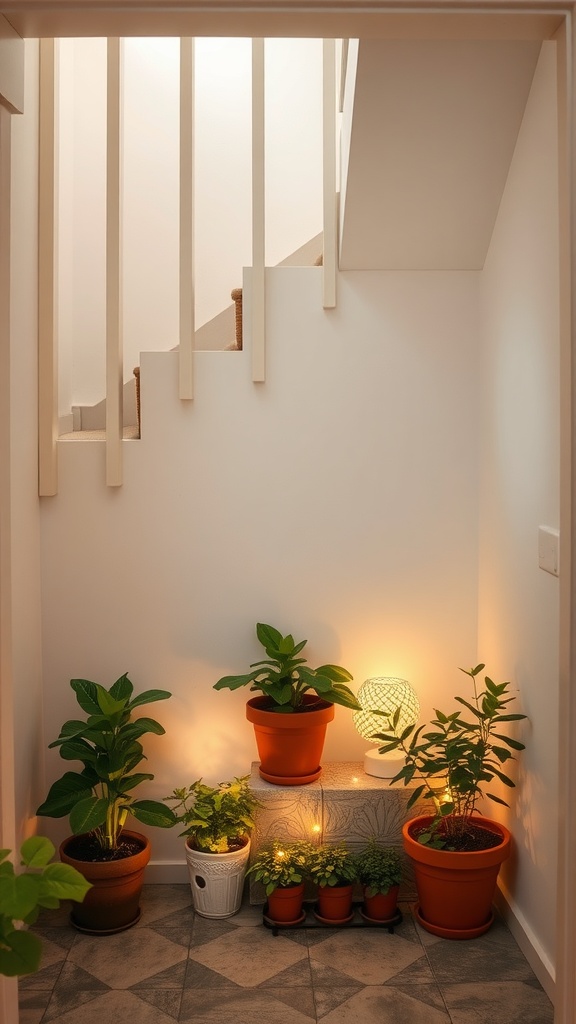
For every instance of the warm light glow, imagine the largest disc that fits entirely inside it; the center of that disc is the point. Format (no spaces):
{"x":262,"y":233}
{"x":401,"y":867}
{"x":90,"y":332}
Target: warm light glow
{"x":383,"y":693}
{"x":315,"y":828}
{"x":355,"y":778}
{"x":280,"y":854}
{"x":445,"y":796}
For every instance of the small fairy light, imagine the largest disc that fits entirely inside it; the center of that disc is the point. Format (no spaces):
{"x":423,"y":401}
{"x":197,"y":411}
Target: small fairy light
{"x":280,"y":854}
{"x":316,"y":829}
{"x":355,"y":778}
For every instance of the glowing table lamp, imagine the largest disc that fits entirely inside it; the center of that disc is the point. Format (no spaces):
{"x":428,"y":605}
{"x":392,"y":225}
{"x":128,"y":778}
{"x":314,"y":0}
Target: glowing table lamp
{"x":384,"y":693}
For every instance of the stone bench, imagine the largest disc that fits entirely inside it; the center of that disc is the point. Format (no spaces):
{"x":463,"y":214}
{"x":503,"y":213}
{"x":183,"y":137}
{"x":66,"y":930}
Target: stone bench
{"x":344,"y":805}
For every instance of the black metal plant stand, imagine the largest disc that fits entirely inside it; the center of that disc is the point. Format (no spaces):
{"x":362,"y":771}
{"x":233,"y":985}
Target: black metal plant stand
{"x":310,"y":919}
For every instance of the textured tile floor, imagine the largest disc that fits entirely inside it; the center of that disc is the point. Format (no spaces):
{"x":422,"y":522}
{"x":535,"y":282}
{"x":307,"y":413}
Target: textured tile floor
{"x":175,"y":966}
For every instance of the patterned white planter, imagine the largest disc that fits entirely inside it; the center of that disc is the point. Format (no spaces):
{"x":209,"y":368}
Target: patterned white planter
{"x":217,"y":880}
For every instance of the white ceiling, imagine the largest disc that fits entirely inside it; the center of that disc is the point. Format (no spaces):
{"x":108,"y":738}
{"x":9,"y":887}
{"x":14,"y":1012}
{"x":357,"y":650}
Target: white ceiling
{"x":432,"y":132}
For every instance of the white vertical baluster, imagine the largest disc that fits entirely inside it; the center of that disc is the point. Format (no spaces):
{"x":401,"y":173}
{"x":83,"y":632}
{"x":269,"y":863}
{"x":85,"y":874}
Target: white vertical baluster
{"x":187,"y":322}
{"x":47,"y":272}
{"x":258,"y":216}
{"x":114,"y":371}
{"x":330,"y":212}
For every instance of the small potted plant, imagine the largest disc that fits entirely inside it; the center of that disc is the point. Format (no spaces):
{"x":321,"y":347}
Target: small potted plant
{"x":218,"y":823}
{"x":22,"y":896}
{"x":296,"y":703}
{"x":99,"y":798}
{"x":457,"y":853}
{"x":283,"y":868}
{"x":380,"y":873}
{"x":333,"y":868}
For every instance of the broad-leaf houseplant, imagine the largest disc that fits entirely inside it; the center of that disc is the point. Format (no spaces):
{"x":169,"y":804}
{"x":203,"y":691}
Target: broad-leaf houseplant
{"x":452,"y":763}
{"x":23,"y":895}
{"x":296,"y":703}
{"x":99,"y":798}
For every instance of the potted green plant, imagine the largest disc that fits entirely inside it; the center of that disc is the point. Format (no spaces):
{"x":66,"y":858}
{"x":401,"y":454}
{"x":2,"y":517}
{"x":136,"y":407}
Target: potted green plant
{"x":218,"y":822}
{"x":379,"y":871}
{"x":456,"y":852}
{"x":99,"y":798}
{"x":333,"y":869}
{"x":283,"y":868}
{"x":41,"y":886}
{"x":296,"y":703}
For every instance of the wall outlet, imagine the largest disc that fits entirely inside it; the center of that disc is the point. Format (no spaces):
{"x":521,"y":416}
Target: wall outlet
{"x":549,"y":549}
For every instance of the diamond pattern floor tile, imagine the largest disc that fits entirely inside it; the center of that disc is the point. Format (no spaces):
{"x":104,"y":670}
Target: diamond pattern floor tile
{"x":508,"y":1002}
{"x":112,"y":1007}
{"x":125,"y":959}
{"x":378,"y":1005}
{"x":368,"y":956}
{"x":238,"y":1007}
{"x":250,"y":956}
{"x":45,"y":978}
{"x":175,"y":966}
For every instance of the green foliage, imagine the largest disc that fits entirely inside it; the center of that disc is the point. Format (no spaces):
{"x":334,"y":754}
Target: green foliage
{"x":333,"y":865}
{"x":215,"y":817}
{"x":457,"y":758}
{"x":285,"y":678}
{"x":379,"y":868}
{"x":107,"y":742}
{"x":282,"y":865}
{"x":23,"y":895}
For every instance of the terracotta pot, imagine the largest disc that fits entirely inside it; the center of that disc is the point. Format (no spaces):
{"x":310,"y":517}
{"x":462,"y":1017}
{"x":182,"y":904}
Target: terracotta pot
{"x":455,"y":890}
{"x":289,"y":745}
{"x":217,"y":879}
{"x":381,"y":906}
{"x":334,"y":903}
{"x":285,"y":905}
{"x":113,"y":904}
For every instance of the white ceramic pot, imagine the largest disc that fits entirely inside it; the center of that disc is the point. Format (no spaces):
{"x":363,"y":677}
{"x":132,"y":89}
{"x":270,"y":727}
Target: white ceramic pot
{"x":217,"y":880}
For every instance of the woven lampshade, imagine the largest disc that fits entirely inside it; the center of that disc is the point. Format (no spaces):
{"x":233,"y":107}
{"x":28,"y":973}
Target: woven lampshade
{"x":384,"y":693}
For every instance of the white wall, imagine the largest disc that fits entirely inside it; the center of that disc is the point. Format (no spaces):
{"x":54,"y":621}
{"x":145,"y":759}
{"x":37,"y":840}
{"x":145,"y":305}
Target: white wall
{"x":338,"y":500}
{"x":26,"y":625}
{"x":518,"y":602}
{"x":223,"y":188}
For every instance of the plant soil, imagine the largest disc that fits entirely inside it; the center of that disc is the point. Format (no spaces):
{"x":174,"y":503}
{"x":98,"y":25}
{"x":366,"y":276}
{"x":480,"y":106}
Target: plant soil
{"x":473,"y":838}
{"x":233,"y":846}
{"x":87,"y":848}
{"x":302,"y":709}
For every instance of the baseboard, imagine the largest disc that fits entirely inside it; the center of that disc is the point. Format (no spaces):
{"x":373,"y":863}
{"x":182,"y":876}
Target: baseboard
{"x":539,"y":961}
{"x":166,"y":872}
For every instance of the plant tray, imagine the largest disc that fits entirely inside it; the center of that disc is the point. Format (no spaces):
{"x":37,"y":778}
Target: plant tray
{"x":309,"y":919}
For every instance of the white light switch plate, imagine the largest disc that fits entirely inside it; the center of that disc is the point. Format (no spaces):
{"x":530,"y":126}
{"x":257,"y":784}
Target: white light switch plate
{"x":548,"y":549}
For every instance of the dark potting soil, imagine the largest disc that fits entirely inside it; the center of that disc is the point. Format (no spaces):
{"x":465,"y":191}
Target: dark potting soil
{"x":86,"y":848}
{"x":473,"y":839}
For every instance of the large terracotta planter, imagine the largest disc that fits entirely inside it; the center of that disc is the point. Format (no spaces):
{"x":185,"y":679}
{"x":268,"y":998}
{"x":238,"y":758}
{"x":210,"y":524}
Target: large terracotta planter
{"x":113,"y":904}
{"x":455,"y":890}
{"x":285,"y":905}
{"x":334,"y":903}
{"x":217,"y":879}
{"x":381,"y":906}
{"x":289,"y":745}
